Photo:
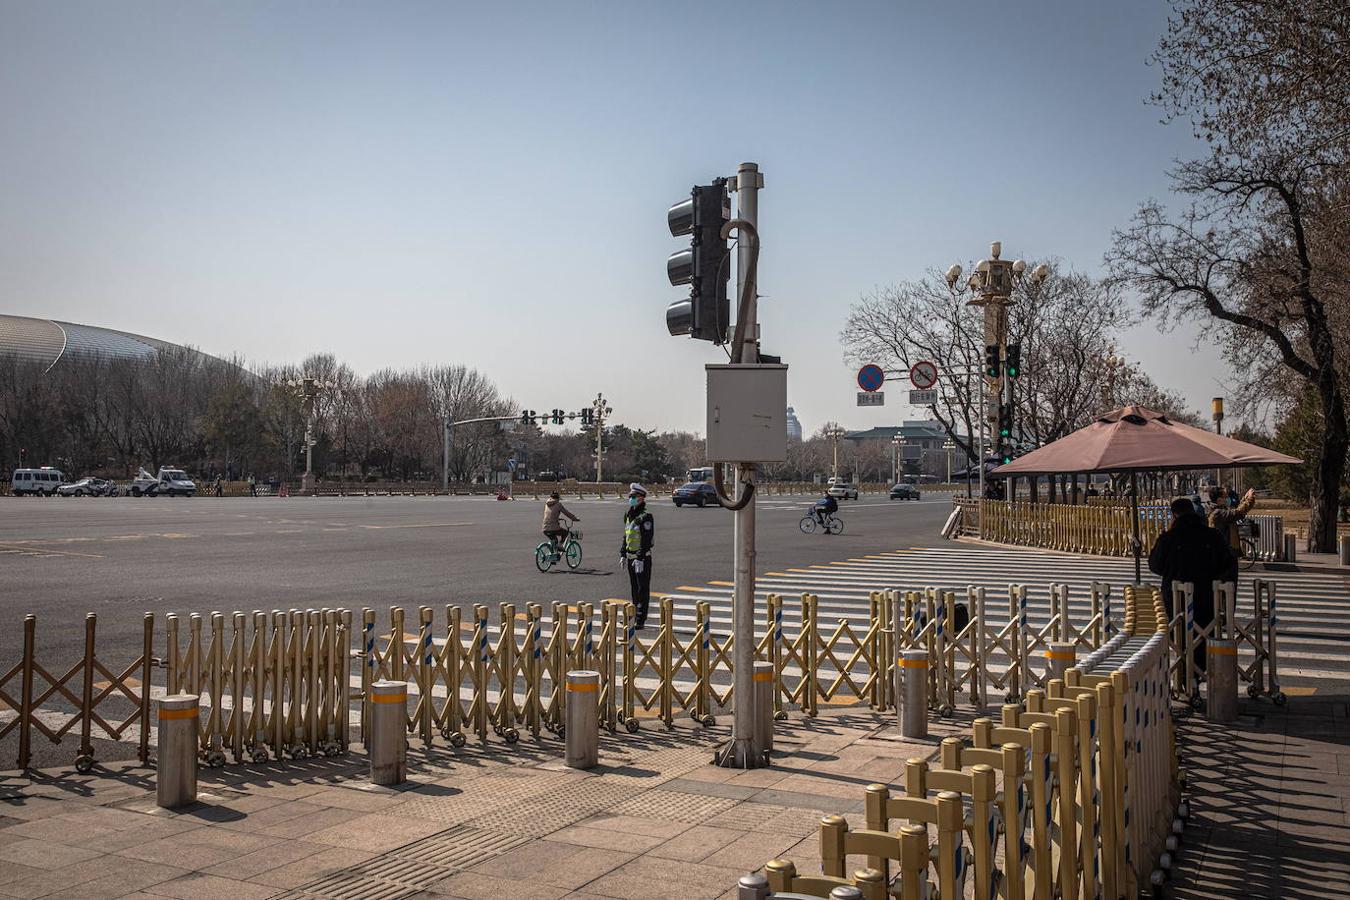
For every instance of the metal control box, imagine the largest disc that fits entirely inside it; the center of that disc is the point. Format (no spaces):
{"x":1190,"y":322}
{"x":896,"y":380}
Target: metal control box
{"x":747,"y":413}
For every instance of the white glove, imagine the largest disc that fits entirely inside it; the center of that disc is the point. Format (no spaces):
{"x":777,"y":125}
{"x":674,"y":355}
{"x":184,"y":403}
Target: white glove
{"x":623,"y":561}
{"x":637,"y":566}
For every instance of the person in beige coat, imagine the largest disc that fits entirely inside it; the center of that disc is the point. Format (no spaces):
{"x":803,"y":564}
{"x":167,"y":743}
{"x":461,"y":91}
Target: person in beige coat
{"x":553,"y":513}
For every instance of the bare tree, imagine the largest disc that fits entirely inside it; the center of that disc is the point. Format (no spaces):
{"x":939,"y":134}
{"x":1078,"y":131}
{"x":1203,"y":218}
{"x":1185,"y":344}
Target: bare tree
{"x":1264,"y":84}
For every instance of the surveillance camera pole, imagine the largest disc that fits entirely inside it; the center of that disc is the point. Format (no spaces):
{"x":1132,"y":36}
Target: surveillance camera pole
{"x":740,"y":752}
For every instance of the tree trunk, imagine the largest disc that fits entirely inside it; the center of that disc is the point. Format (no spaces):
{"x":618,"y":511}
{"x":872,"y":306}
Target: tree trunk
{"x":1327,"y":474}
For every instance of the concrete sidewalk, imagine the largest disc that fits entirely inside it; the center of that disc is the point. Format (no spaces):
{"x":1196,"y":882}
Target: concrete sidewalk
{"x":655,"y":820}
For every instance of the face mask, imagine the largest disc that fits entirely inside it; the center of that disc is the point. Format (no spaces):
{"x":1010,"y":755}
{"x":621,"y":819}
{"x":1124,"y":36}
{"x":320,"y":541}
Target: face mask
{"x":632,"y":501}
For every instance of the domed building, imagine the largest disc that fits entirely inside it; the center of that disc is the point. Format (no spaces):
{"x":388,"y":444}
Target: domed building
{"x":49,"y":342}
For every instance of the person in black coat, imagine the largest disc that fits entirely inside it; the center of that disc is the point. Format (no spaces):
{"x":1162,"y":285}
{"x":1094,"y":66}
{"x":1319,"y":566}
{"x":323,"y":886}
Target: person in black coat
{"x":1190,"y":551}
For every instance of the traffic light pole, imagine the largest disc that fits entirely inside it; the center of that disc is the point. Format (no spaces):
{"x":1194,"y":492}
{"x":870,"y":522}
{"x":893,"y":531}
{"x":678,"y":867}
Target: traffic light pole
{"x":741,"y":752}
{"x":448,"y":428}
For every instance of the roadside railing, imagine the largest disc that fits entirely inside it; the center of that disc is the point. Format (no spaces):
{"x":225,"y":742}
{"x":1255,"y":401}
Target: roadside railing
{"x":291,"y":683}
{"x":1072,"y":793}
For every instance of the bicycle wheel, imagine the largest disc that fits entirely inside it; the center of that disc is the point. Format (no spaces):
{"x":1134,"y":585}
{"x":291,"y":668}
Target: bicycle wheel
{"x":1248,"y":553}
{"x":543,"y":557}
{"x":807,"y":524}
{"x":573,"y":554}
{"x":834,"y":525}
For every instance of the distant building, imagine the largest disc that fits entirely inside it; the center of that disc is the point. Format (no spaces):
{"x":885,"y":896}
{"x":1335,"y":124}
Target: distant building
{"x":794,"y":425}
{"x":923,"y":442}
{"x":49,"y":343}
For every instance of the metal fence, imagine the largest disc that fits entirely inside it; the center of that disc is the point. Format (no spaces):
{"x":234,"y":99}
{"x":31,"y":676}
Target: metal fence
{"x":1072,"y":793}
{"x":296,"y":682}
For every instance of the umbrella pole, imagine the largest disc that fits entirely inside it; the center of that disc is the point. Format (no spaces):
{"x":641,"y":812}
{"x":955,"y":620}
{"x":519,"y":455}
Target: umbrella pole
{"x":1134,"y":526}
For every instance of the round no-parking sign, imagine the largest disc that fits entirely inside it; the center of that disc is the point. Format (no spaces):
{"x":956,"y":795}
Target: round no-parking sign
{"x":871,"y":378}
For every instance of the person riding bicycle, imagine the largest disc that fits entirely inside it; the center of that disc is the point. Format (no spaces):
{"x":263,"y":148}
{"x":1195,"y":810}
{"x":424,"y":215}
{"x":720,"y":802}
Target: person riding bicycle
{"x":826,"y":506}
{"x":553,"y":513}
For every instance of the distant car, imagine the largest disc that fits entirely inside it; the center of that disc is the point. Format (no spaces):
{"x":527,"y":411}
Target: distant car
{"x":696,"y":493}
{"x":904,"y":492}
{"x":88,"y":487}
{"x":842,"y":490}
{"x":38,"y":482}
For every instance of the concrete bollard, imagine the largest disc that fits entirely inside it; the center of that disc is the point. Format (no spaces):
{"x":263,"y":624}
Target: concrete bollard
{"x":389,"y":732}
{"x":1290,"y":548}
{"x":763,"y":680}
{"x":752,"y":887}
{"x":176,"y":764}
{"x":1060,"y":656}
{"x":1345,"y":549}
{"x":1221,"y":674}
{"x":582,"y":724}
{"x":911,"y":690}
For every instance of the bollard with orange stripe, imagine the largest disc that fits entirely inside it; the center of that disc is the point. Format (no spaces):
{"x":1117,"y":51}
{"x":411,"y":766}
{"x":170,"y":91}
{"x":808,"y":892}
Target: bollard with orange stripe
{"x":176,"y":775}
{"x":911,"y":690}
{"x":582,"y":729}
{"x":389,"y":734}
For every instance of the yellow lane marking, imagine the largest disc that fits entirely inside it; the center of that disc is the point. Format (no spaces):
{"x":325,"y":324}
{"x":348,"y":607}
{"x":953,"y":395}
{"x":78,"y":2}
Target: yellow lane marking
{"x":723,"y":583}
{"x":1299,"y":691}
{"x":19,"y":549}
{"x":428,"y":525}
{"x":775,"y":574}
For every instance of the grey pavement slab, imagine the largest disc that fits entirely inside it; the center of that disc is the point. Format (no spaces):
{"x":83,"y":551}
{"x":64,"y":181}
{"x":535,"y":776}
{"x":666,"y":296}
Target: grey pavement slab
{"x":1270,"y":798}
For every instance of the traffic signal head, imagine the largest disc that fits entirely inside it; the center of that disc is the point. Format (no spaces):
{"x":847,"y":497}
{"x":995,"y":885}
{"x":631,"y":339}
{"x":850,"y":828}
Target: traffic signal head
{"x":991,"y":361}
{"x":1005,"y":421}
{"x":705,"y":266}
{"x":524,"y":417}
{"x":1014,"y":361}
{"x":557,"y":417}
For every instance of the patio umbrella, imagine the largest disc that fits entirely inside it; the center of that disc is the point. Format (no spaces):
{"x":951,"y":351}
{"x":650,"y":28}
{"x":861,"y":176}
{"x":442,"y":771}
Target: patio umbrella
{"x":1134,"y":439}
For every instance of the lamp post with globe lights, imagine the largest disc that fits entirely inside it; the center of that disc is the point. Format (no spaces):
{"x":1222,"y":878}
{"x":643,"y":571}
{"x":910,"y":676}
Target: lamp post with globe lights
{"x":308,"y":388}
{"x":991,"y":285}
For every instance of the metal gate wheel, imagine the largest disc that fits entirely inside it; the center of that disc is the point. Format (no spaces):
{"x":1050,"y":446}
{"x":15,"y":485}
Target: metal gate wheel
{"x":632,"y":724}
{"x":84,"y":764}
{"x":457,"y":739}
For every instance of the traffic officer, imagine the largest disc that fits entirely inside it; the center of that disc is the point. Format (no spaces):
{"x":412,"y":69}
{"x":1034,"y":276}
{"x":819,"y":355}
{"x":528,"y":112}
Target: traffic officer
{"x":636,"y":552}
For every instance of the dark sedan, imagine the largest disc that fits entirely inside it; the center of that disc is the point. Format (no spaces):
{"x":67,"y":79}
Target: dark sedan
{"x":695,"y":493}
{"x":904,"y":492}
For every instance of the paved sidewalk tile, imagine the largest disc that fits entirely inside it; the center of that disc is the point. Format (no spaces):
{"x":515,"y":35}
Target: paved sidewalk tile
{"x":1270,"y":799}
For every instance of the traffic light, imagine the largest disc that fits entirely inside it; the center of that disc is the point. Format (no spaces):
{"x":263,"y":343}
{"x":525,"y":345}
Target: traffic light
{"x":527,"y":417}
{"x":705,"y":266}
{"x":991,"y":362}
{"x":1005,"y":422}
{"x":558,"y":416}
{"x":1013,"y":363}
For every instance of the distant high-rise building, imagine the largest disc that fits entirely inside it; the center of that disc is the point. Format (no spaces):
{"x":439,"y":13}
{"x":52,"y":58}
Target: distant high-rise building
{"x":794,"y":425}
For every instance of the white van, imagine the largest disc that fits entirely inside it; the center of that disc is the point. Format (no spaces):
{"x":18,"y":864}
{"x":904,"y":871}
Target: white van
{"x":36,"y":481}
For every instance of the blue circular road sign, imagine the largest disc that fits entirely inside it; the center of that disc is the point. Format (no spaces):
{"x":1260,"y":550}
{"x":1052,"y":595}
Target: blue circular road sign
{"x":871,"y":378}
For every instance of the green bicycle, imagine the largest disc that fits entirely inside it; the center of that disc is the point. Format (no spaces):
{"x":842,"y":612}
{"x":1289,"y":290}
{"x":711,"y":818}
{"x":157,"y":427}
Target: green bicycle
{"x":548,"y":553}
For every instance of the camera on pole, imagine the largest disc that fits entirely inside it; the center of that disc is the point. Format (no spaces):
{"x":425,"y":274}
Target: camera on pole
{"x":705,"y":266}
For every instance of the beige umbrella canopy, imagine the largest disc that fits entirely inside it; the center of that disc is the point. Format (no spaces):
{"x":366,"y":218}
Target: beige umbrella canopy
{"x":1134,"y":439}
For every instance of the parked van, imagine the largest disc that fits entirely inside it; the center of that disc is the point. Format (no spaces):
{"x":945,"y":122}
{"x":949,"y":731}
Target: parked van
{"x":43,"y":481}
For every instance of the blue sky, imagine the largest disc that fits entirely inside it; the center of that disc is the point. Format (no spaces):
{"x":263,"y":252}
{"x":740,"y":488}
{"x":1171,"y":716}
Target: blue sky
{"x":403,"y":183}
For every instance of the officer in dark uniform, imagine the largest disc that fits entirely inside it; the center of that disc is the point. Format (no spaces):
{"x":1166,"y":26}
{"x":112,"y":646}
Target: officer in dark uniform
{"x":636,"y":552}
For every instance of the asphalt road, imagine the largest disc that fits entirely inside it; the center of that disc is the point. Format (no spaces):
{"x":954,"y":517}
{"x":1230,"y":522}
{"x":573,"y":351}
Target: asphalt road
{"x":121,"y":557}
